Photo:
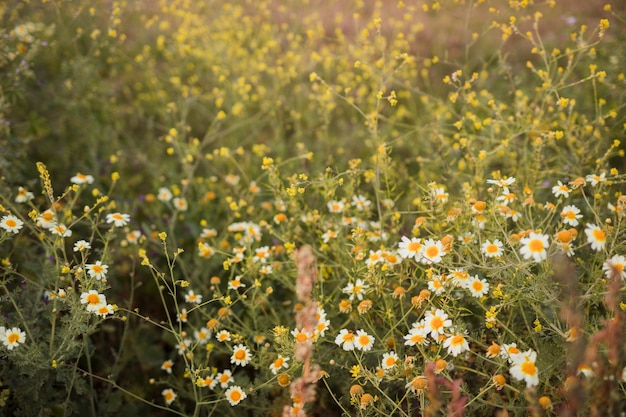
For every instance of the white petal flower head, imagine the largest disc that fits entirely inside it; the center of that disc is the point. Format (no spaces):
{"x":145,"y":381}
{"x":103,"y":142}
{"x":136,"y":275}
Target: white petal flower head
{"x":23,"y":195}
{"x":345,"y":339}
{"x":570,"y":215}
{"x":235,"y":395}
{"x":492,"y":249}
{"x":524,"y":369}
{"x":47,"y":219}
{"x":81,"y":179}
{"x":11,"y":338}
{"x":11,"y":223}
{"x":535,"y":246}
{"x":456,"y":344}
{"x":410,"y":248}
{"x":363,"y":341}
{"x":595,"y":236}
{"x":389,"y":360}
{"x":164,"y":194}
{"x":433,"y":252}
{"x":118,"y":219}
{"x":81,"y":246}
{"x":335,"y":206}
{"x":97,"y":270}
{"x":616,"y":263}
{"x":168,"y":395}
{"x":192,"y":297}
{"x":360,"y":202}
{"x":241,"y":355}
{"x":279,"y":363}
{"x":93,"y":299}
{"x":561,"y":189}
{"x":478,"y":287}
{"x":356,"y":290}
{"x":436,"y":322}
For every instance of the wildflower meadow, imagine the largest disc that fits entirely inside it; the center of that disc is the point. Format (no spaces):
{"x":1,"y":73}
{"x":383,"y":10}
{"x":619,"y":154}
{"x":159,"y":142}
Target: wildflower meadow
{"x":312,"y":208}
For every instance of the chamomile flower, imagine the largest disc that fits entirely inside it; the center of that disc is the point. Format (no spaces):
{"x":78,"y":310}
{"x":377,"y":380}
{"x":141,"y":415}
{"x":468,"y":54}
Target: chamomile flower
{"x":570,"y":215}
{"x":346,"y":339}
{"x":437,"y":284}
{"x":23,"y":195}
{"x":492,"y":249}
{"x":235,"y":395}
{"x":225,"y":377}
{"x":279,"y":363}
{"x":183,"y":345}
{"x":410,"y":248}
{"x":363,"y":341}
{"x":456,"y":344}
{"x":301,"y":335}
{"x":328,"y":235}
{"x":182,"y":316}
{"x":439,"y":195}
{"x":118,"y":219}
{"x":202,"y":335}
{"x":596,"y":179}
{"x":81,"y":246}
{"x":167,"y":366}
{"x":436,"y":322}
{"x":104,"y":310}
{"x":561,"y":189}
{"x":235,"y":283}
{"x":502,"y":183}
{"x":241,"y":355}
{"x":360,"y":202}
{"x":375,"y":257}
{"x":460,"y":278}
{"x":524,"y":369}
{"x":93,"y":299}
{"x":61,"y":230}
{"x":478,"y":287}
{"x":616,"y":263}
{"x":261,"y":254}
{"x":81,"y":179}
{"x":10,"y":223}
{"x":180,"y":204}
{"x":433,"y":252}
{"x":417,"y":335}
{"x":335,"y":206}
{"x":356,"y":290}
{"x":97,"y":270}
{"x":11,"y":338}
{"x":595,"y":236}
{"x":168,"y":395}
{"x":164,"y":194}
{"x":389,"y":360}
{"x":509,"y":350}
{"x":192,"y":297}
{"x":223,"y":336}
{"x":47,"y":219}
{"x":535,"y":246}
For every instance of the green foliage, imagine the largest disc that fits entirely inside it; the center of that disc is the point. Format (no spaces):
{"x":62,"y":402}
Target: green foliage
{"x":344,"y":220}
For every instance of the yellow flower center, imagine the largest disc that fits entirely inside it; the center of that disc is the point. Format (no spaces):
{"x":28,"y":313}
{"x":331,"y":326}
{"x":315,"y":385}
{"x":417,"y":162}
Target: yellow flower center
{"x":11,"y":223}
{"x":13,"y":338}
{"x":436,"y":322}
{"x":414,"y":247}
{"x":93,"y":299}
{"x":457,"y":340}
{"x":528,"y":368}
{"x":599,"y":235}
{"x":364,"y":340}
{"x":432,"y":251}
{"x":536,"y":245}
{"x":235,"y":395}
{"x":240,"y":354}
{"x":279,"y":362}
